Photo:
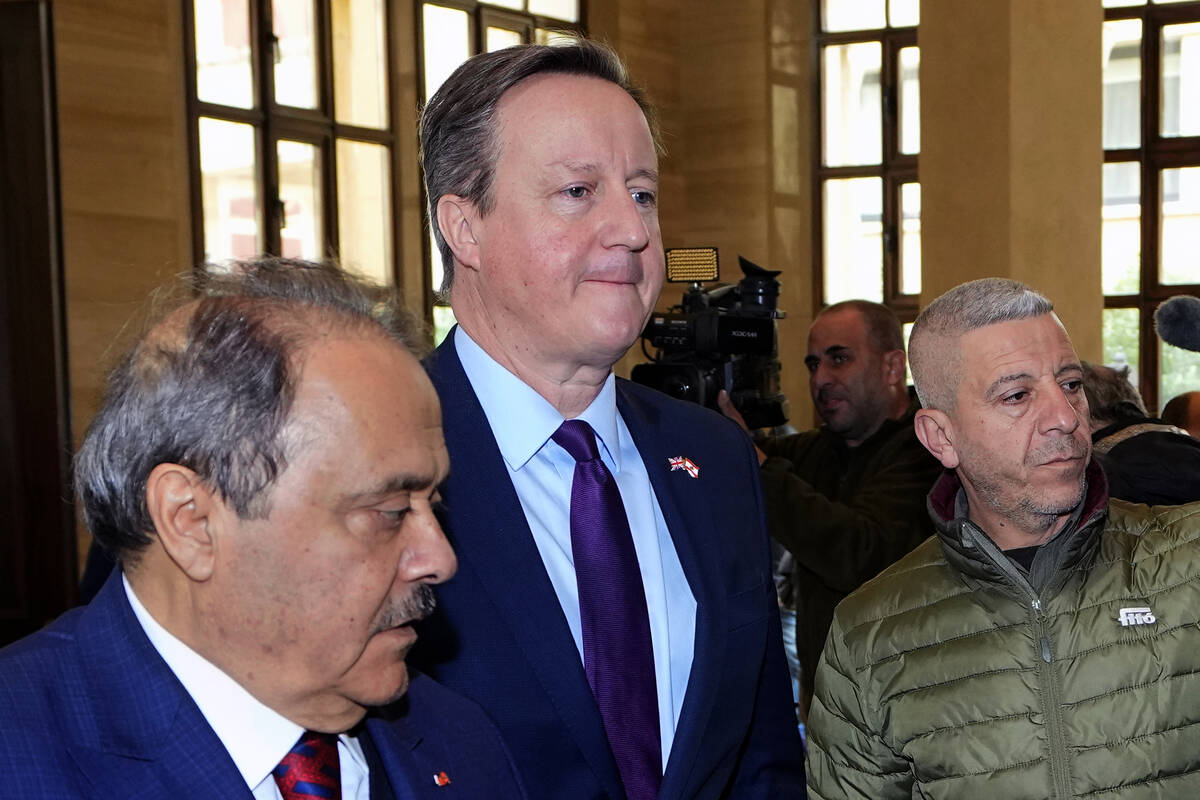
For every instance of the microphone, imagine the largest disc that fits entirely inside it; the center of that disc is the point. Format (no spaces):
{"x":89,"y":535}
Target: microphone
{"x":1177,"y":322}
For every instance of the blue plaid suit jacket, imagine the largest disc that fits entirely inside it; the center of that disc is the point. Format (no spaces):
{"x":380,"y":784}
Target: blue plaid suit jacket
{"x":88,"y":709}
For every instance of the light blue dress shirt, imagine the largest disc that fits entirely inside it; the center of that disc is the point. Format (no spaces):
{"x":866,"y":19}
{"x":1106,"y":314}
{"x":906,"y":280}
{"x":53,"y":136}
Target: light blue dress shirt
{"x":522,"y":422}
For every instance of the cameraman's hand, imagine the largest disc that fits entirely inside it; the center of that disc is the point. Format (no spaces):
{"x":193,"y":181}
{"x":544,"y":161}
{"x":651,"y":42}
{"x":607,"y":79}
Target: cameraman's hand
{"x":728,"y":409}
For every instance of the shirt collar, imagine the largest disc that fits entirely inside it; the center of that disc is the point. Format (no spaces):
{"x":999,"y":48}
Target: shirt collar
{"x":529,"y":420}
{"x":255,"y":736}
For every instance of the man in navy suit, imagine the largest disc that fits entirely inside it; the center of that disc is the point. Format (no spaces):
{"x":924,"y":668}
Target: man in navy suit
{"x":265,"y":469}
{"x":541,"y":170}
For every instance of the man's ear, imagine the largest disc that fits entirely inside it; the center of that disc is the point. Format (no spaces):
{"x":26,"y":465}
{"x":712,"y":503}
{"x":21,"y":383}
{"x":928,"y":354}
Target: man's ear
{"x":183,"y":510}
{"x":936,"y":432}
{"x":894,"y":363}
{"x":454,"y":217}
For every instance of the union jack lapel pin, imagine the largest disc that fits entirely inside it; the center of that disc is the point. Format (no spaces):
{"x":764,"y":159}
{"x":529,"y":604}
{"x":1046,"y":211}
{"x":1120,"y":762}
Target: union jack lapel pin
{"x":681,"y":462}
{"x":441,"y":779}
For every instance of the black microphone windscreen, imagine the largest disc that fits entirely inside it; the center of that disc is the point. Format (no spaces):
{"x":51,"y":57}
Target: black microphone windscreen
{"x":1177,"y":321}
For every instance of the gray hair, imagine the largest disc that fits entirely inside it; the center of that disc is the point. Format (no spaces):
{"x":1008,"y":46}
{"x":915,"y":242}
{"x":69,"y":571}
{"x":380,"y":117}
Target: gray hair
{"x":209,"y":385}
{"x":966,"y":307}
{"x":459,"y":146}
{"x":1110,"y":395}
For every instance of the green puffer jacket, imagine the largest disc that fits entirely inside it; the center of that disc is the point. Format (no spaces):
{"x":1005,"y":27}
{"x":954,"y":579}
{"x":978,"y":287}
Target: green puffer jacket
{"x":950,"y":676}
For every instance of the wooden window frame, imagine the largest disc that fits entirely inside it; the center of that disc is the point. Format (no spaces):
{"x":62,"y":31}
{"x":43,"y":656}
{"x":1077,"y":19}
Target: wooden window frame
{"x":1154,"y":154}
{"x":273,"y":122}
{"x":894,"y":169}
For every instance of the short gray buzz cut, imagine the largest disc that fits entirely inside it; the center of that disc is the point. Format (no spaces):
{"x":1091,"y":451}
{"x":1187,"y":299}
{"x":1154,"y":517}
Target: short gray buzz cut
{"x":965,"y":308}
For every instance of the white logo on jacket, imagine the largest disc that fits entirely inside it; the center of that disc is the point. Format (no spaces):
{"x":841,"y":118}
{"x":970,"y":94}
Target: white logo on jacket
{"x":1136,"y":616}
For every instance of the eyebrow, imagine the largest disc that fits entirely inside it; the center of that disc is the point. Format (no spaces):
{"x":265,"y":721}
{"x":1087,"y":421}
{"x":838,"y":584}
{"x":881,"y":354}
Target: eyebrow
{"x":996,"y":384}
{"x":395,"y":485}
{"x":588,"y":166}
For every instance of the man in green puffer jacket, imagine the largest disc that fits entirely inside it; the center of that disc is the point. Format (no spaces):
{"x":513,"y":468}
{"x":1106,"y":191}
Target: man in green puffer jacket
{"x":1046,"y":644}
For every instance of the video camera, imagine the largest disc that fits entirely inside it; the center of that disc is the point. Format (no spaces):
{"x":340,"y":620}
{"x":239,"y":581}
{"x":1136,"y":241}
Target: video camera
{"x":721,"y":338}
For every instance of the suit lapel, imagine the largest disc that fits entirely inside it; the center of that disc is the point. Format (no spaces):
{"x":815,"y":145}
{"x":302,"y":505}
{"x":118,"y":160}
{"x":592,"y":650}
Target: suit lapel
{"x":150,"y":740}
{"x":684,"y":502}
{"x":489,"y":527}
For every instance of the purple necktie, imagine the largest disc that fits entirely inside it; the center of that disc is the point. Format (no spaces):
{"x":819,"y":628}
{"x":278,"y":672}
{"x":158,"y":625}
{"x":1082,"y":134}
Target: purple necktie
{"x":617,"y":654}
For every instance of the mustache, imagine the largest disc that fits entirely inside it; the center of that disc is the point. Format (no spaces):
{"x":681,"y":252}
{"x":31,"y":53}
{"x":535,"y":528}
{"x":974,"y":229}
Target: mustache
{"x":416,"y":606}
{"x":1071,"y":447}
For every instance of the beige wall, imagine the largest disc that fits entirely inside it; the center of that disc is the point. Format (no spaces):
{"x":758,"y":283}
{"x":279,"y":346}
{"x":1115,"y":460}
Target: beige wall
{"x":1011,"y":153}
{"x":123,"y":165}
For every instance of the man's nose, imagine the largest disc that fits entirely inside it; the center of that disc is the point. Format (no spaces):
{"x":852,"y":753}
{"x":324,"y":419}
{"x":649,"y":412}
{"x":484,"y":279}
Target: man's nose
{"x":1059,"y":413}
{"x":428,"y":556}
{"x":625,"y":222}
{"x":820,"y":376}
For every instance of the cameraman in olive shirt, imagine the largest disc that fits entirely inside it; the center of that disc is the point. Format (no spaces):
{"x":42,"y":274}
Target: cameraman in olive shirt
{"x":846,"y":499}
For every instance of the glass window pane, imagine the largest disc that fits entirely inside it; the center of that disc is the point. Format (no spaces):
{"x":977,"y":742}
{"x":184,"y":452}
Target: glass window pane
{"x":1122,"y":62}
{"x":852,"y":15}
{"x":229,"y":191}
{"x":1181,"y":80}
{"x":903,"y":13}
{"x":567,"y":10}
{"x":853,"y":116}
{"x":500,"y":38}
{"x":1120,"y":232}
{"x":910,"y":238}
{"x":1180,"y":372}
{"x":436,"y":271}
{"x":364,"y":192}
{"x":359,"y":63}
{"x":906,"y":330}
{"x":910,"y":100}
{"x":223,"y":71}
{"x":295,"y":58}
{"x":853,"y":216}
{"x":1120,"y":336}
{"x":443,"y":321}
{"x":447,"y":44}
{"x":1180,"y":226}
{"x":1117,"y":3}
{"x":517,"y":4}
{"x":552,"y":37}
{"x":301,"y":234}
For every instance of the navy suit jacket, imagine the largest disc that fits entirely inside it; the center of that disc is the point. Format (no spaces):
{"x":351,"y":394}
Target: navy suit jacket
{"x":88,"y":709}
{"x":500,"y":637}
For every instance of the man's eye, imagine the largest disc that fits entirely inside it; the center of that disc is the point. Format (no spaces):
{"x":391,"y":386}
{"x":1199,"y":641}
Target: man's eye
{"x":393,"y":516}
{"x":1016,"y":397}
{"x":1072,"y":386}
{"x":645,"y":198}
{"x":576,"y":192}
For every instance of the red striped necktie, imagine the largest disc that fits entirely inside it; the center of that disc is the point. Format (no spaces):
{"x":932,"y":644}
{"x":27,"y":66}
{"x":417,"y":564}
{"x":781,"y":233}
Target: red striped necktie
{"x":311,"y":769}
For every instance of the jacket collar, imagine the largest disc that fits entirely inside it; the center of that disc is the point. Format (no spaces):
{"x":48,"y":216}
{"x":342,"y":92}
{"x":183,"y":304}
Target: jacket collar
{"x":1074,"y":545}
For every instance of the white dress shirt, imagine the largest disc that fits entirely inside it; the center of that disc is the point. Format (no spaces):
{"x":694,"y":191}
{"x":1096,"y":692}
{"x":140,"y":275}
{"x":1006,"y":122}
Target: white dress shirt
{"x":256,"y":737}
{"x":541,"y":471}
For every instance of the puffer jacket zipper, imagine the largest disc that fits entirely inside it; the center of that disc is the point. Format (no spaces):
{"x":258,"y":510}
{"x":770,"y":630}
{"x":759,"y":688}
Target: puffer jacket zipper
{"x":1047,"y":672}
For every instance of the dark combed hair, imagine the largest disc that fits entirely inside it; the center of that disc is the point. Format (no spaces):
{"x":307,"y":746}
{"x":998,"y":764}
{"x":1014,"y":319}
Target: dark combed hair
{"x":459,"y":145}
{"x":883,"y":326}
{"x":209,"y":386}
